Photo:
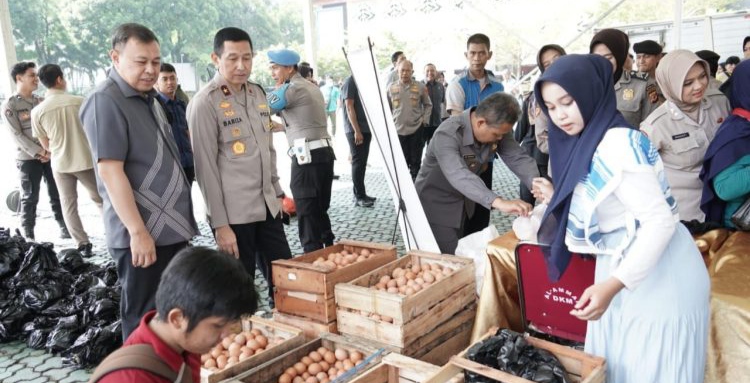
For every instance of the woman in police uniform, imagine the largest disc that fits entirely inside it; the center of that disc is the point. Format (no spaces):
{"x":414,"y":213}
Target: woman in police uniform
{"x":683,"y":127}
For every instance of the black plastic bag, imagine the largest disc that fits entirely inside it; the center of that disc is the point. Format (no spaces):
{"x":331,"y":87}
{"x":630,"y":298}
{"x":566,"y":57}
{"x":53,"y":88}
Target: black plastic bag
{"x":39,"y":258}
{"x":93,"y":346}
{"x":60,"y":339}
{"x":37,"y":339}
{"x":71,"y":260}
{"x":62,"y":307}
{"x":42,"y":295}
{"x":508,"y":351}
{"x":105,"y":309}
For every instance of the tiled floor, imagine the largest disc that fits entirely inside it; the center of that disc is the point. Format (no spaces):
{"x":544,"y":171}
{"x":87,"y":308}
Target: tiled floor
{"x":19,"y":363}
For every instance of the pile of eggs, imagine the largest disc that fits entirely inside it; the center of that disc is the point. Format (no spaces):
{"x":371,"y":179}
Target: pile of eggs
{"x":321,"y":366}
{"x":412,"y":278}
{"x":236,"y":348}
{"x":344,"y":258}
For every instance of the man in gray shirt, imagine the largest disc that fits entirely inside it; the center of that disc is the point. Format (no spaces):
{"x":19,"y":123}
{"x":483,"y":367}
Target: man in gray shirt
{"x":448,"y":183}
{"x":148,"y":214}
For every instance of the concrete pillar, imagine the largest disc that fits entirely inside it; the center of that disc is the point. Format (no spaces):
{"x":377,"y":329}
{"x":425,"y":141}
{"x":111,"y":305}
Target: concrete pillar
{"x":311,"y":37}
{"x":7,"y":51}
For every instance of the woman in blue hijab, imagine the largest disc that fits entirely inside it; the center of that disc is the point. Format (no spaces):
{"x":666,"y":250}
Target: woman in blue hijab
{"x":726,"y":166}
{"x":648,"y":309}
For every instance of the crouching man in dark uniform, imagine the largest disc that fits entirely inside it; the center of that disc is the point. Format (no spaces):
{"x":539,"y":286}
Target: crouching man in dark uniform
{"x":302,"y":107}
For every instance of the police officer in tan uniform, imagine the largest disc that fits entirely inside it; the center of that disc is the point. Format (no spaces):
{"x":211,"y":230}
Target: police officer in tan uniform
{"x":235,"y":160}
{"x":648,"y":53}
{"x":32,"y":160}
{"x":302,"y":107}
{"x":632,"y":97}
{"x":411,"y":107}
{"x":683,"y":127}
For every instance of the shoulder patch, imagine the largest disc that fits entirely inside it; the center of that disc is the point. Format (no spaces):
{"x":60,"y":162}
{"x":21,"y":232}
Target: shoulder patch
{"x":8,"y":113}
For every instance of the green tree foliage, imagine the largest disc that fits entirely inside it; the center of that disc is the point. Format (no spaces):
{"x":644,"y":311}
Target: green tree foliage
{"x":76,"y":35}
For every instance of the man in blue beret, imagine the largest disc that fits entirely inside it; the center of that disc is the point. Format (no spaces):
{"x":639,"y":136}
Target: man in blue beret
{"x":302,"y":107}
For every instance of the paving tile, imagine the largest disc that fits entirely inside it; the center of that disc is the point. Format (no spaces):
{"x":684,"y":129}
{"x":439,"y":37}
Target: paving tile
{"x":23,"y":375}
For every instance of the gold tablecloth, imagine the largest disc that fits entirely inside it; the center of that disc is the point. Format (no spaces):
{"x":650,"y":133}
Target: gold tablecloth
{"x":727,"y":257}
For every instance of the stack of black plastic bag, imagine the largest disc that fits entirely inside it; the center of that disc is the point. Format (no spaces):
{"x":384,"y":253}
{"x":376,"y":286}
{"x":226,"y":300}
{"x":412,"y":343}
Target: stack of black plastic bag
{"x":508,"y":351}
{"x":58,"y":302}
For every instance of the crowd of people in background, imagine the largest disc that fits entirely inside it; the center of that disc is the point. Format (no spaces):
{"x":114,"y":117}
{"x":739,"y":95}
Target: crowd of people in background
{"x":664,"y":146}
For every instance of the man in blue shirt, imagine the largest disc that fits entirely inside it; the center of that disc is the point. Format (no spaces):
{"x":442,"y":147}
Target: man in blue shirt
{"x":175,"y":108}
{"x":465,"y":92}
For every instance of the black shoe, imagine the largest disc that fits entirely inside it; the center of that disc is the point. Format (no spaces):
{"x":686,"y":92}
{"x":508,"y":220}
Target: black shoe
{"x":363,"y":203}
{"x":85,"y":250}
{"x":64,"y":234}
{"x":368,"y":198}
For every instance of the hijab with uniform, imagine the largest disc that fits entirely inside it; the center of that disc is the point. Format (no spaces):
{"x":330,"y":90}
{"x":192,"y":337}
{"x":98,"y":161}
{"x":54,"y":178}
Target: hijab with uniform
{"x":588,"y":80}
{"x":670,"y":75}
{"x":548,"y":47}
{"x":618,"y":43}
{"x":732,"y":142}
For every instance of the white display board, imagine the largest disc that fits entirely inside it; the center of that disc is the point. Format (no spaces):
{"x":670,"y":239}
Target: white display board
{"x":415,"y":230}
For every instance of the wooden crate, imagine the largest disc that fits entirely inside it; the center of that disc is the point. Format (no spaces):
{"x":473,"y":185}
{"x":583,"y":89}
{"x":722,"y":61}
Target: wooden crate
{"x":413,"y":316}
{"x":271,"y":371}
{"x":310,"y":328}
{"x":307,"y":290}
{"x":395,"y":368}
{"x":580,"y":366}
{"x":293,"y":338}
{"x":436,"y":346}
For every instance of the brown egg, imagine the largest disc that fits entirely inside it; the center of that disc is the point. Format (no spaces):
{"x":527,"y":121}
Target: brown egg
{"x":324,"y":366}
{"x":339,"y":364}
{"x":365,"y":252}
{"x":344,"y":262}
{"x":291,"y":371}
{"x":314,"y":368}
{"x":311,"y":379}
{"x":221,"y":361}
{"x":315,"y":356}
{"x":321,"y":375}
{"x":233,"y":360}
{"x":305,"y":375}
{"x":234,"y":349}
{"x":332,"y":372}
{"x":341,"y":354}
{"x":355,"y":356}
{"x":419,"y":281}
{"x":210,"y":363}
{"x":410,"y":275}
{"x":253,"y":344}
{"x":246,"y":353}
{"x":332,"y":256}
{"x":348,"y":364}
{"x":417,"y":288}
{"x":410,"y":283}
{"x":379,"y":285}
{"x":307,"y":360}
{"x":300,"y":367}
{"x":215,"y":352}
{"x":262,"y":340}
{"x":447,"y":271}
{"x":329,"y":357}
{"x":320,"y":259}
{"x":401,"y":281}
{"x":255,"y":332}
{"x":402,"y":290}
{"x":426,"y":267}
{"x":298,"y":379}
{"x":428,"y":277}
{"x":226,"y":342}
{"x":416,"y":269}
{"x":322,"y":350}
{"x":397,"y":272}
{"x":409,"y":291}
{"x":284,"y":378}
{"x":240,"y":339}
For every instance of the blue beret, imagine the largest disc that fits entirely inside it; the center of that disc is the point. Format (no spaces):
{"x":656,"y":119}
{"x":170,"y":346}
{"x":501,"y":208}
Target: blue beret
{"x":285,"y":57}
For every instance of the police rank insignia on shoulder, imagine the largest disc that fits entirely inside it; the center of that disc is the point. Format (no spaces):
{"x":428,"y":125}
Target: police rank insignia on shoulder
{"x":225,"y":104}
{"x":628,"y":94}
{"x":238,"y":147}
{"x":8,"y":113}
{"x":225,"y":90}
{"x":229,"y":113}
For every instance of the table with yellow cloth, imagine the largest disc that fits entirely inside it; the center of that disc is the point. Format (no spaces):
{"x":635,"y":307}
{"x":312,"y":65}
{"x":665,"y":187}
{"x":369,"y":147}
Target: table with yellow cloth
{"x":727,"y":256}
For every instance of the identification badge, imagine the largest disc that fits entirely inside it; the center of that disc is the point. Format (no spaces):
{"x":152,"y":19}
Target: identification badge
{"x":238,"y":147}
{"x":301,"y":150}
{"x":236,"y":132}
{"x":680,"y":136}
{"x":225,"y":104}
{"x":628,"y":94}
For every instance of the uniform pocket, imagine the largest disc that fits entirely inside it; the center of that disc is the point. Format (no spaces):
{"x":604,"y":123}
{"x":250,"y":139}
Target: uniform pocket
{"x":689,"y":150}
{"x":235,"y":141}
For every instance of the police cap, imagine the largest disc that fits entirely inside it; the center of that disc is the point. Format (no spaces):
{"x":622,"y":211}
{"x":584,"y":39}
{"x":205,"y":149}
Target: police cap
{"x":284,"y":57}
{"x":649,"y":47}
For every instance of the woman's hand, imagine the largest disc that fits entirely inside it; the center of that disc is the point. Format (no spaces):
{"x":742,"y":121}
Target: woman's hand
{"x":598,"y":297}
{"x":542,"y":189}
